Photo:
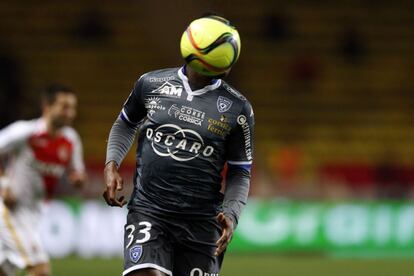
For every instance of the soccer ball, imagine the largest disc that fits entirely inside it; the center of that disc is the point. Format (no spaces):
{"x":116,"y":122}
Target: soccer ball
{"x":210,"y":45}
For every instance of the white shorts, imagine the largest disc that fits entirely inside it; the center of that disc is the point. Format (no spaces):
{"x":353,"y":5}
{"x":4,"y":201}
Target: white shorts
{"x":20,"y":242}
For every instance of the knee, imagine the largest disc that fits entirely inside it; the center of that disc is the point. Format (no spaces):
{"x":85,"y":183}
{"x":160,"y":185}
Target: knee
{"x":8,"y":269}
{"x":39,"y":270}
{"x":39,"y":273}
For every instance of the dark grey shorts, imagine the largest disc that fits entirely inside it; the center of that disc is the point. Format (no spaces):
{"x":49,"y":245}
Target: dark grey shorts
{"x":175,"y":246}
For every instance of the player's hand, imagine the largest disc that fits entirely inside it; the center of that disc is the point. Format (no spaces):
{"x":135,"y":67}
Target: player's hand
{"x":77,"y":179}
{"x":113,"y":184}
{"x":228,"y":228}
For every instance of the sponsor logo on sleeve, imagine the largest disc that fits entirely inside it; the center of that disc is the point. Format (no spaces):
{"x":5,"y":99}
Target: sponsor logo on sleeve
{"x":135,"y":253}
{"x":242,"y":121}
{"x":180,"y":144}
{"x":223,"y":104}
{"x":169,"y":90}
{"x":187,"y":114}
{"x":152,"y":104}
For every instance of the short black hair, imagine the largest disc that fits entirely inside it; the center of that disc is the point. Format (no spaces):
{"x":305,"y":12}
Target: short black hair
{"x":49,"y":94}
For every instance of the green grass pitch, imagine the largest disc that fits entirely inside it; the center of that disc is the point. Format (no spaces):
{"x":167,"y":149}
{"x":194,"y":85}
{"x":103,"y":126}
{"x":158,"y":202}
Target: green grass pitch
{"x":258,"y":265}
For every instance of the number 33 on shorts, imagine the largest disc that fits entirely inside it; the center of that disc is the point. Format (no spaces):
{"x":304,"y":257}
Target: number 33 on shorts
{"x":143,"y":233}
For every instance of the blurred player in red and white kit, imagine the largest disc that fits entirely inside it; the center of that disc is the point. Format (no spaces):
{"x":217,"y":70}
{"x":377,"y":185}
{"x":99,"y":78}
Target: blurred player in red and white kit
{"x":40,"y":153}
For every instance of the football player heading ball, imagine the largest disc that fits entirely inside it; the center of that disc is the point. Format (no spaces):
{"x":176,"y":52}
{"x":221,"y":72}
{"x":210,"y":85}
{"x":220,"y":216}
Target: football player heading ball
{"x":191,"y":123}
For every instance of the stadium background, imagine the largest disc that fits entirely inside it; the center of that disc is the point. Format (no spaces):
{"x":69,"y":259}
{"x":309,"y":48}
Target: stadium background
{"x":331,"y":84}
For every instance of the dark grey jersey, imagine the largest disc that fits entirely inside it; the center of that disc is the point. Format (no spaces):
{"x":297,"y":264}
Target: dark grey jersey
{"x":185,"y":139}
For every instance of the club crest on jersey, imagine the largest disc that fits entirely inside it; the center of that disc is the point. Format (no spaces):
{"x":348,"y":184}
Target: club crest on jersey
{"x":223,"y":104}
{"x":169,"y":90}
{"x":135,"y":253}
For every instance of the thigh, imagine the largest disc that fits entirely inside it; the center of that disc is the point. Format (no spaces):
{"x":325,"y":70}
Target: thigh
{"x":147,"y":245}
{"x":194,"y":255}
{"x":39,"y":269}
{"x":20,"y":239}
{"x":146,"y":272}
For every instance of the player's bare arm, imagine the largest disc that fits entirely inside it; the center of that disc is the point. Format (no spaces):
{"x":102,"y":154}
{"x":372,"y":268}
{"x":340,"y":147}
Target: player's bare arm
{"x":77,"y":179}
{"x":113,"y":184}
{"x":227,"y":227}
{"x":147,"y":272}
{"x":121,"y":138}
{"x":5,"y":192}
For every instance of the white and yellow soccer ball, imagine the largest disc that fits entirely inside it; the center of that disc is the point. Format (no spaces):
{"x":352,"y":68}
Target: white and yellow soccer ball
{"x":210,"y":45}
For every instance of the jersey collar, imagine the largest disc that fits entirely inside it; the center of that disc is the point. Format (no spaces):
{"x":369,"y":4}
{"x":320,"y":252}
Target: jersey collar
{"x":191,"y":93}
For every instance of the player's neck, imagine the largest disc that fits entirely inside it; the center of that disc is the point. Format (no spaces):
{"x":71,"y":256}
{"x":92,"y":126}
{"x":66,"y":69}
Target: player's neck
{"x":50,"y":127}
{"x":196,"y":80}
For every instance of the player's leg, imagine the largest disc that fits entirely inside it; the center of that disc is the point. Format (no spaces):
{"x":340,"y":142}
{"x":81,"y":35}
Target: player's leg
{"x":8,"y":269}
{"x":147,"y":272}
{"x":12,"y":255}
{"x":192,"y":263}
{"x":38,"y":259}
{"x":147,"y":246}
{"x":21,"y":241}
{"x":194,"y":255}
{"x":42,"y":269}
{"x":3,"y":260}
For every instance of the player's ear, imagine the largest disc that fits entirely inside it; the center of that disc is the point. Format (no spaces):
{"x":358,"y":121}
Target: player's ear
{"x":227,"y":72}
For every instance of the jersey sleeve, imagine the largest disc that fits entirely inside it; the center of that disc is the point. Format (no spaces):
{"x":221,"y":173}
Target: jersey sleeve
{"x":77,"y":161}
{"x":14,"y":135}
{"x":240,"y":142}
{"x":134,"y":109}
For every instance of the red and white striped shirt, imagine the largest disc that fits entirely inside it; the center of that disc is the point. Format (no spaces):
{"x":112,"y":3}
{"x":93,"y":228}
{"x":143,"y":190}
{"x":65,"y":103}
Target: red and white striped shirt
{"x":38,"y":160}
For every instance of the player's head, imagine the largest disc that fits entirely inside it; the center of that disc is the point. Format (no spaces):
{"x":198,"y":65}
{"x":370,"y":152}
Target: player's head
{"x":210,"y":45}
{"x":59,"y":105}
